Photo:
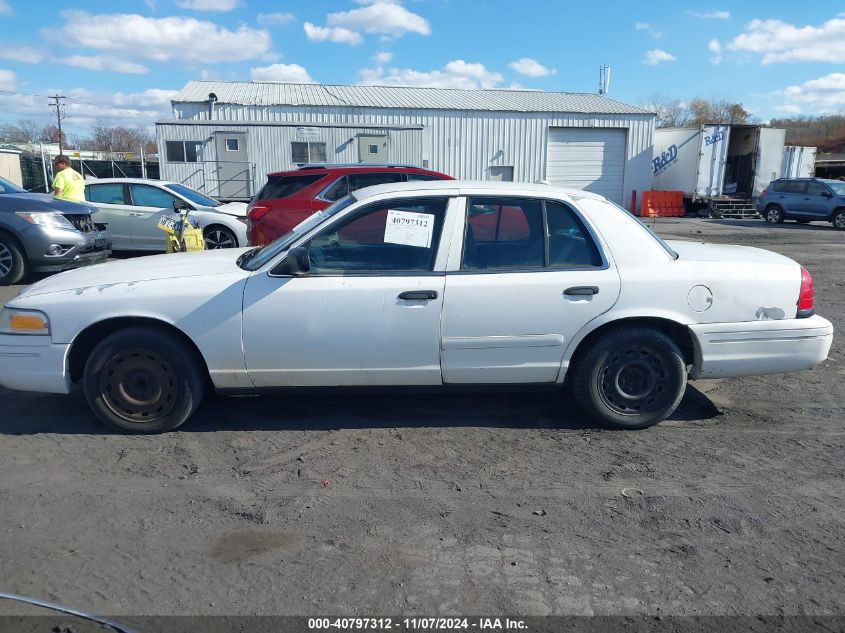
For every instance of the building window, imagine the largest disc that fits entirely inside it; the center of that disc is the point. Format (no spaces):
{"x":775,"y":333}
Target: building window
{"x":183,"y":151}
{"x":302,"y":152}
{"x":373,"y":149}
{"x":232,"y":145}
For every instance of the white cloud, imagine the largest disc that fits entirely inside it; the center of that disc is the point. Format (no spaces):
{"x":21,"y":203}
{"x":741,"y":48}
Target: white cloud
{"x":382,"y":57}
{"x":455,"y":74}
{"x":8,"y":80}
{"x":778,"y":41}
{"x":822,"y":95}
{"x":711,"y":15}
{"x":104,"y":62}
{"x":649,"y":28}
{"x":5,"y":9}
{"x":657,"y":56}
{"x":25,"y":54}
{"x":336,"y":34}
{"x":715,"y":47}
{"x":208,"y":5}
{"x":292,"y":73}
{"x":788,"y":109}
{"x":531,"y":68}
{"x":275,"y":19}
{"x":382,"y":17}
{"x":167,"y":39}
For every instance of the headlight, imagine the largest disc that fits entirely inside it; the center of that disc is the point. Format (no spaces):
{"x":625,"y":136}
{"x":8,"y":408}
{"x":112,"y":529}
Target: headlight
{"x":47,"y":218}
{"x":14,"y":321}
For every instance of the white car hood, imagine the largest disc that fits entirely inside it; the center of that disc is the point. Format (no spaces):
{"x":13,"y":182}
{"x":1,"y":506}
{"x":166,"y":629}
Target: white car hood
{"x":702,"y":252}
{"x":238,"y":209}
{"x":130,"y":271}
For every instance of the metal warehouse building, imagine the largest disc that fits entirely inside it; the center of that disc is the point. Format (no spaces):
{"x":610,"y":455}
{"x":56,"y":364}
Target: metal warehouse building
{"x":226,"y":136}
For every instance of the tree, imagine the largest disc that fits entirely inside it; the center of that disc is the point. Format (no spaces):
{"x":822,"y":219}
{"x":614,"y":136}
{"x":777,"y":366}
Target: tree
{"x":106,"y":137}
{"x":51,"y":134}
{"x":696,"y":111}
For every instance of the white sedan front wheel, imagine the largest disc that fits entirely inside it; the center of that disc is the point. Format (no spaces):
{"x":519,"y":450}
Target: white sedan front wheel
{"x":219,"y":237}
{"x":631,"y":378}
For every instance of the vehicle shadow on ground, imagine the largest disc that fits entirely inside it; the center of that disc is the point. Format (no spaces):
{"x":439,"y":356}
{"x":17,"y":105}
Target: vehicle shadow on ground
{"x":818,"y":225}
{"x":39,"y":413}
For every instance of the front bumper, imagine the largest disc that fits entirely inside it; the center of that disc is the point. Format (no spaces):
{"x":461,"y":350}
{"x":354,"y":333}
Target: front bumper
{"x":33,"y":363}
{"x":725,"y":350}
{"x":84,"y":249}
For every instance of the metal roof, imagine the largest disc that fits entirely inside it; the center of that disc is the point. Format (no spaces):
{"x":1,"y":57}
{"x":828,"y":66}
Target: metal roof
{"x":255,"y":93}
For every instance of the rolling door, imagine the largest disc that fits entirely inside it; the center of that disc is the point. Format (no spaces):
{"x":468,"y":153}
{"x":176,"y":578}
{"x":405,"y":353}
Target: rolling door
{"x":587,"y":158}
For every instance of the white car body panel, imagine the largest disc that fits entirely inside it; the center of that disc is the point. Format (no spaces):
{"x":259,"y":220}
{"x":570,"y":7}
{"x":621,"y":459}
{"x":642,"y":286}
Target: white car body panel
{"x":135,"y":227}
{"x":255,"y":329}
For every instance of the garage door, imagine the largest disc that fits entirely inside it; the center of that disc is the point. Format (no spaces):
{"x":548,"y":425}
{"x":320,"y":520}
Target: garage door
{"x":587,"y":158}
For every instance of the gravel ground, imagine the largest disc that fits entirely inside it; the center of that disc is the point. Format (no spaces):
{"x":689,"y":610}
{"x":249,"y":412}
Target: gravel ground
{"x":487,"y":504}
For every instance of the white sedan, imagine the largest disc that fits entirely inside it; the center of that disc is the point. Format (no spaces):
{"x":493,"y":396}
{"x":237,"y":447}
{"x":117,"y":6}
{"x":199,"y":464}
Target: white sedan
{"x":432,"y":284}
{"x":132,"y":207}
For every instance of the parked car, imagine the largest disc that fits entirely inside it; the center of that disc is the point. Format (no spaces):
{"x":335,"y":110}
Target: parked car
{"x":289,"y":197}
{"x":132,"y":208}
{"x":577,"y":290}
{"x":42,"y":234}
{"x":804,"y":200}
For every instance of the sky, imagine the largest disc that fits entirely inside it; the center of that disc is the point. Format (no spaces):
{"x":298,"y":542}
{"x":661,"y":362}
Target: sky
{"x":123,"y":61}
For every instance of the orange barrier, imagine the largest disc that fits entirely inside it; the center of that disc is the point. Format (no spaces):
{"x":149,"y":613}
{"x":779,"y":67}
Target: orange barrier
{"x":662,"y":204}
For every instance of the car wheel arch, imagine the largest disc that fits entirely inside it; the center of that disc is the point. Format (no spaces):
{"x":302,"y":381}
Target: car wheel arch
{"x":9,"y":234}
{"x":85,"y":341}
{"x":677,"y":330}
{"x":228,"y":229}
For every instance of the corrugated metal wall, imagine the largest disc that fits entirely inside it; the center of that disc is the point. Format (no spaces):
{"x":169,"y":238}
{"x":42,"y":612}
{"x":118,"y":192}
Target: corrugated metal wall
{"x":463,"y":144}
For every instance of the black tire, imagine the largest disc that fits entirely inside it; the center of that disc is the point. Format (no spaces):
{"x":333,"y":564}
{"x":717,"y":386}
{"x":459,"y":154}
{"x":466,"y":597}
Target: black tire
{"x":13,"y":264}
{"x":630,"y":378}
{"x":217,"y":236}
{"x":773,"y":214}
{"x":838,"y":219}
{"x":143,"y":380}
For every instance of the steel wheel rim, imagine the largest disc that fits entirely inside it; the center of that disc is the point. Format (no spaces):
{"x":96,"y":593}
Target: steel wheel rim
{"x":839,"y":221}
{"x":6,"y":260}
{"x":217,"y":238}
{"x":632,"y":381}
{"x":139,"y":385}
{"x":772,"y":215}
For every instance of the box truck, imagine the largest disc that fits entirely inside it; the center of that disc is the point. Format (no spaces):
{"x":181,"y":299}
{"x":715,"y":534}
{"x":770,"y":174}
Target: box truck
{"x":720,"y":168}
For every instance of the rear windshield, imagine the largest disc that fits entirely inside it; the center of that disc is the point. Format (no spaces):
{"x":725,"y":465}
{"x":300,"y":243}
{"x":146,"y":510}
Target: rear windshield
{"x":286,"y":186}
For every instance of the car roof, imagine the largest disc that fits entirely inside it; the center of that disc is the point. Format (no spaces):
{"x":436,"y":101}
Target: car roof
{"x":353,"y":168}
{"x":143,"y":181}
{"x":483,"y":187}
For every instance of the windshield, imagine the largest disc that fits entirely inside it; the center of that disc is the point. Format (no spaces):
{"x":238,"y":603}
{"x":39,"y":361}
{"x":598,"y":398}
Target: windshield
{"x":838,"y":187}
{"x":194,"y":196}
{"x":9,"y":187}
{"x":267,"y":253}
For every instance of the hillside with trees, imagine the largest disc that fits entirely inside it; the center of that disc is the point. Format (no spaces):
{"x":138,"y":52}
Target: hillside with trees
{"x":825,"y":132}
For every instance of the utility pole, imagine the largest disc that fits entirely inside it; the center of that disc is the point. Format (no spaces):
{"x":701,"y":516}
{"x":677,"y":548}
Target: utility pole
{"x":57,"y":103}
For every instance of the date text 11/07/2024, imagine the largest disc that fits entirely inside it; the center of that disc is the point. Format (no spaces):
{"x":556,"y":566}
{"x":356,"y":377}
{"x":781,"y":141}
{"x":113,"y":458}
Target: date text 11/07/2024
{"x":416,"y":624}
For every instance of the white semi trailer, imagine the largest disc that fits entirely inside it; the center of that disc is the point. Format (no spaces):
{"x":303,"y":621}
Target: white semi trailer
{"x":722,"y":169}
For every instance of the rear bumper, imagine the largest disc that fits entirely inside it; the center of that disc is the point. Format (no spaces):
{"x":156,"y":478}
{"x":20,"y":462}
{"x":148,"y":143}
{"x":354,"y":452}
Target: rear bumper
{"x":751,"y":348}
{"x":33,"y":363}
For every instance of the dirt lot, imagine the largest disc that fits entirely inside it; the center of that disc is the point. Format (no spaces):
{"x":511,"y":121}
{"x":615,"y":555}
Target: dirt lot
{"x":492,"y":504}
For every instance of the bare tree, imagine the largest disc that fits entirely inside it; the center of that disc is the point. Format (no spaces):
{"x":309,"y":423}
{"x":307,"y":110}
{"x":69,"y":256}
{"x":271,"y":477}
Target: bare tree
{"x":107,"y":137}
{"x":696,"y":111}
{"x":52,"y":134}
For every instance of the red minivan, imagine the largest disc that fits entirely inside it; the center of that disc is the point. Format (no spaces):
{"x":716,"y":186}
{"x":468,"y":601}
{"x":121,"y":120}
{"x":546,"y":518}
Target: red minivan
{"x":291,"y":196}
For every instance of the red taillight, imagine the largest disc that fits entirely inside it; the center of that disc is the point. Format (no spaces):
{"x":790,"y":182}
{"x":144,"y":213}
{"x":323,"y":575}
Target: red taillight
{"x":258,"y":211}
{"x":764,"y":192}
{"x":806,"y":296}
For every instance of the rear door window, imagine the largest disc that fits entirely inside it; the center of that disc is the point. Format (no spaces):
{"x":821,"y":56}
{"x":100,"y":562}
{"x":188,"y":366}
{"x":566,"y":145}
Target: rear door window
{"x":286,"y":186}
{"x":110,"y":193}
{"x":796,"y":186}
{"x":359,"y":181}
{"x":504,"y":233}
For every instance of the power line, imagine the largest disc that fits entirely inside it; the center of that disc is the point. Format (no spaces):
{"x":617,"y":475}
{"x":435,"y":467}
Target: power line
{"x":100,"y":106}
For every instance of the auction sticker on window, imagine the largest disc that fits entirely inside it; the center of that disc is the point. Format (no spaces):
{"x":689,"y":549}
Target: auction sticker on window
{"x":409,"y":228}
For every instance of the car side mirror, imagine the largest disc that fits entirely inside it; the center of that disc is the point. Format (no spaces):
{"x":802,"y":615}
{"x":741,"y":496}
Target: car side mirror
{"x":297,"y":262}
{"x":180,"y":205}
{"x":826,"y":194}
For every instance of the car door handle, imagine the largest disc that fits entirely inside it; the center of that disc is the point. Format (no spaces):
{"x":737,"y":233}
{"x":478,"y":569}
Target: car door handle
{"x":581,"y":290}
{"x":418,"y":295}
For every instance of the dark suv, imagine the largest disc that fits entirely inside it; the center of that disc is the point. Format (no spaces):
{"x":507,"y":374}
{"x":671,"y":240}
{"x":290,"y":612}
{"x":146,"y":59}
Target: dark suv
{"x":291,"y":196}
{"x":804,"y":200}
